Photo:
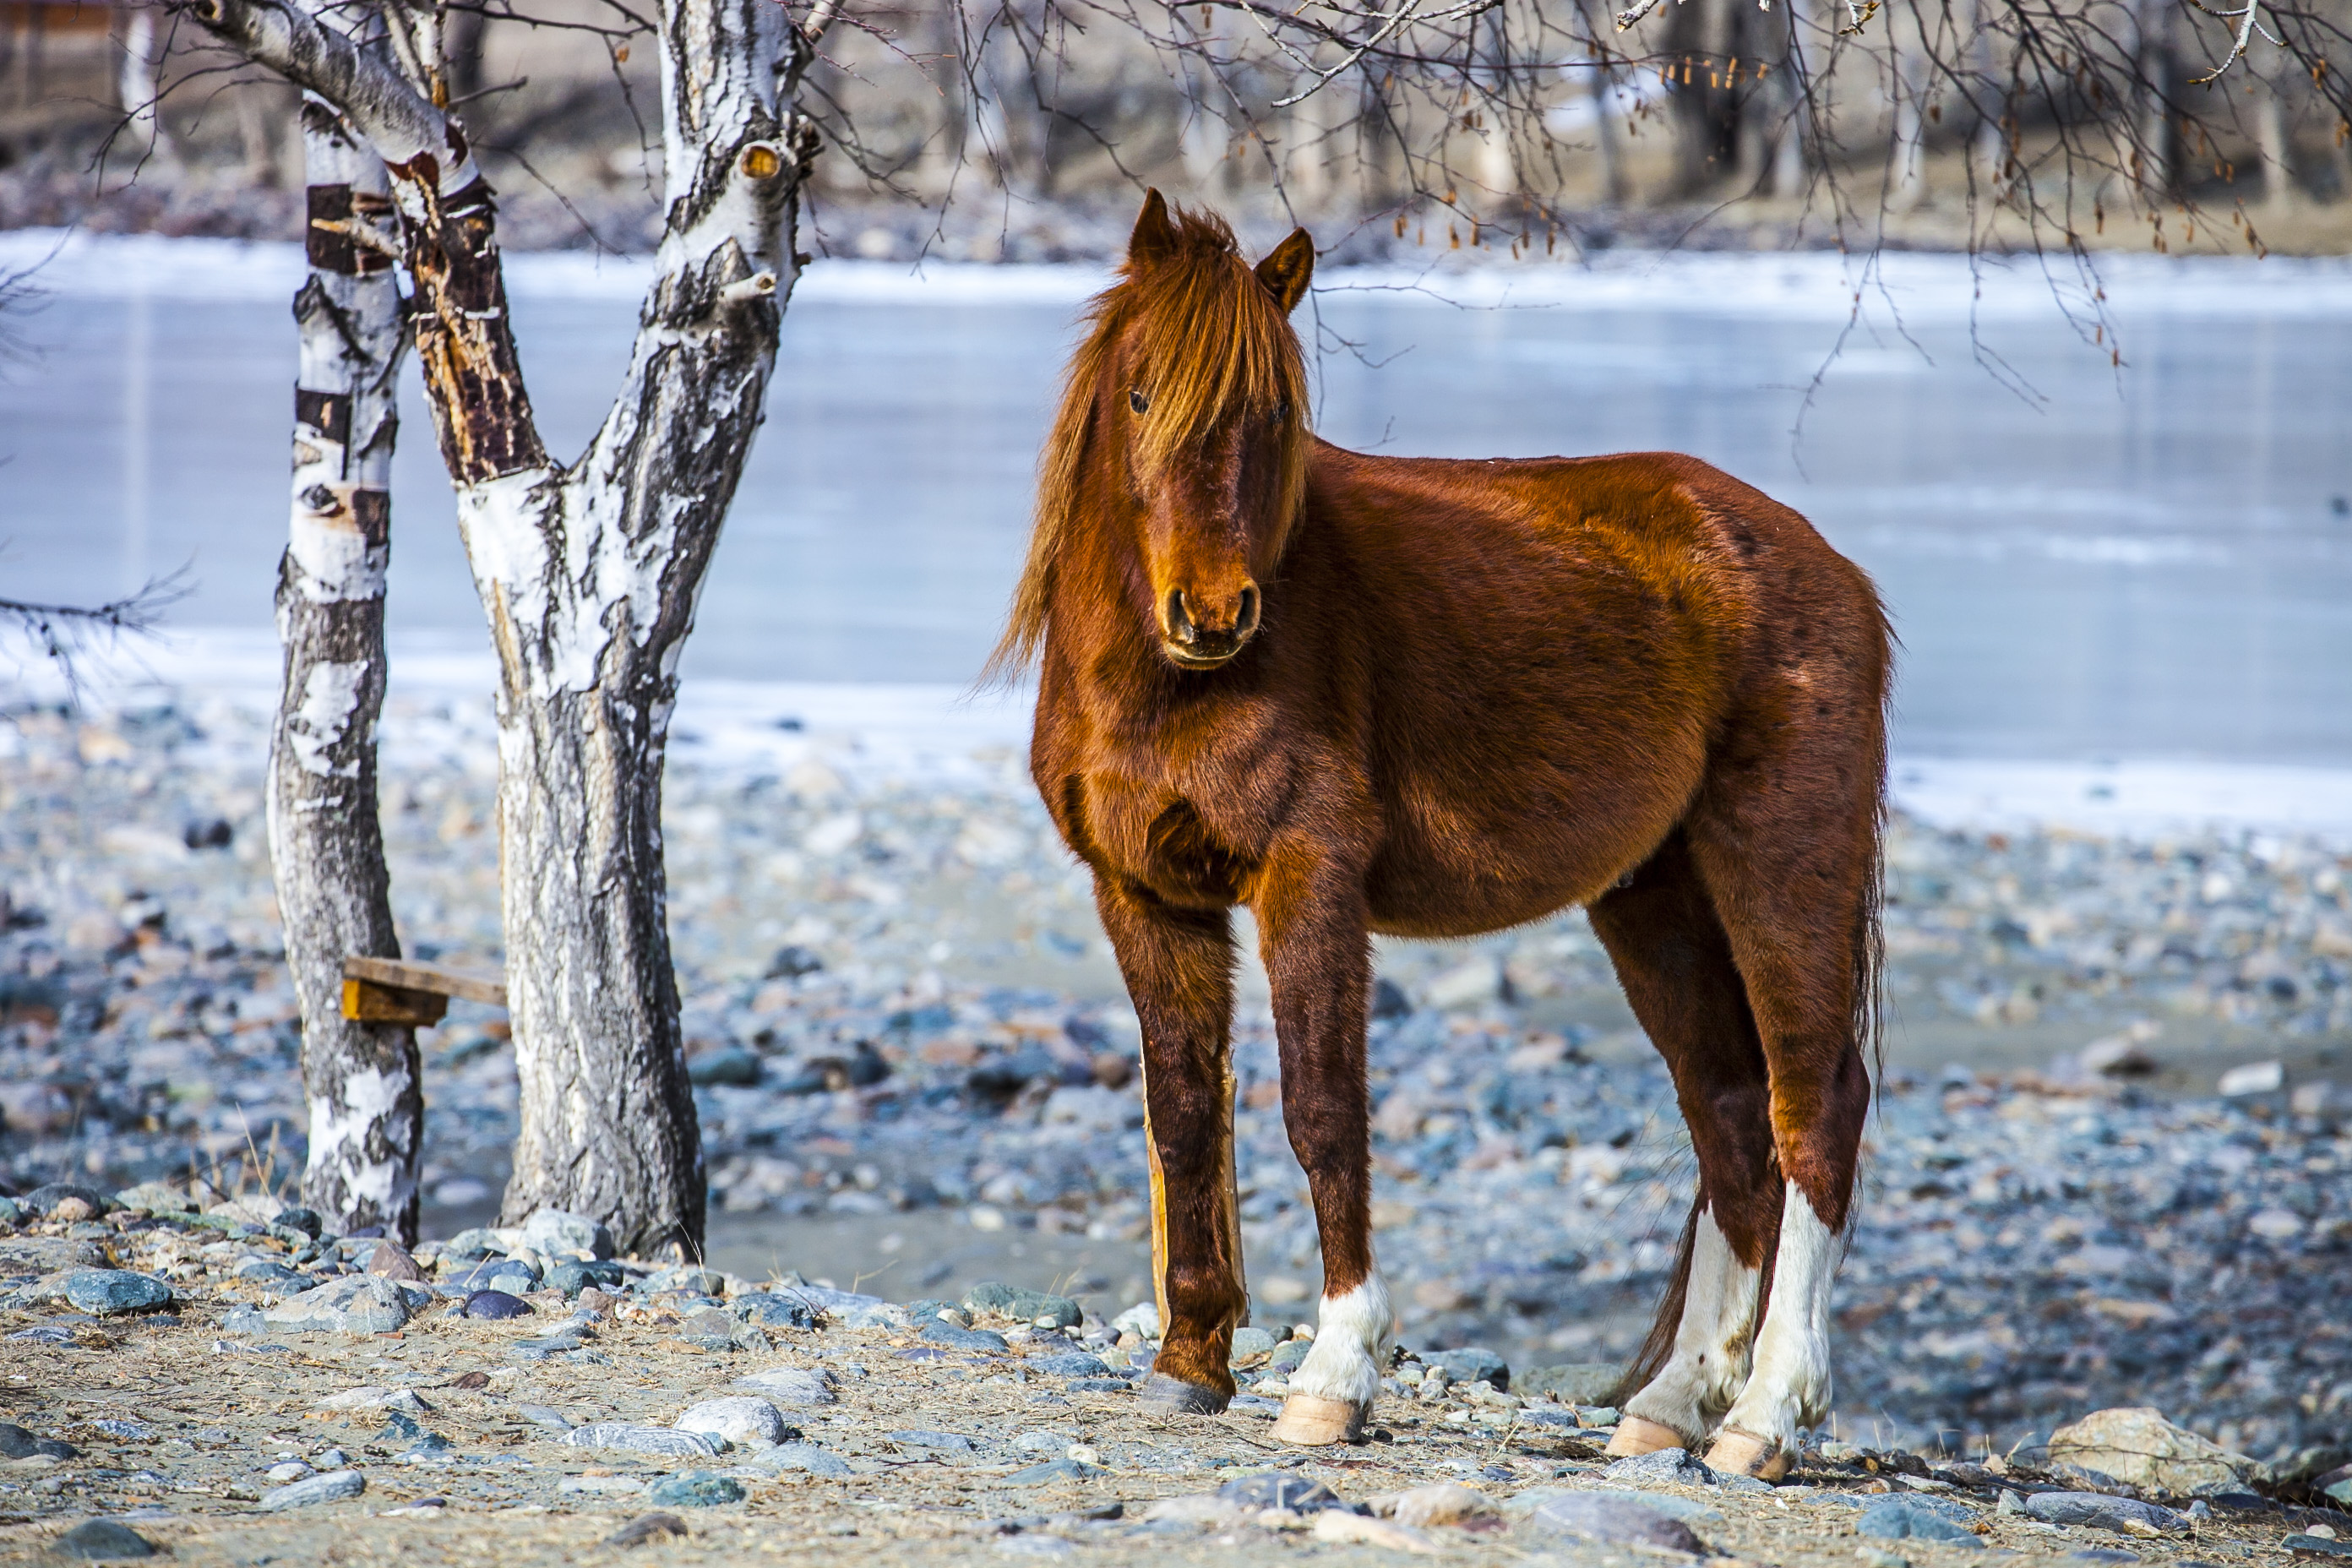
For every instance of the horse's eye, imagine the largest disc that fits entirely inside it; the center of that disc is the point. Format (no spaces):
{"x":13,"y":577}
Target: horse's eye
{"x":1282,"y":411}
{"x":1136,"y":400}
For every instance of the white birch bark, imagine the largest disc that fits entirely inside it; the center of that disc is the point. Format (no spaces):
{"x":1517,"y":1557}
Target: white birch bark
{"x":326,"y":847}
{"x":588,"y":574}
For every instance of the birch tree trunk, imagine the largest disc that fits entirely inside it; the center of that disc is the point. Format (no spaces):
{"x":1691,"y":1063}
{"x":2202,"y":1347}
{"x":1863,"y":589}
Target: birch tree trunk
{"x":326,"y":847}
{"x":588,"y":574}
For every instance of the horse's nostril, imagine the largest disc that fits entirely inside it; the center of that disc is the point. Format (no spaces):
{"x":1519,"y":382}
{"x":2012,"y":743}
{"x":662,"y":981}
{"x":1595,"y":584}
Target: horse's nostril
{"x":1245,"y":622}
{"x":1179,"y":625}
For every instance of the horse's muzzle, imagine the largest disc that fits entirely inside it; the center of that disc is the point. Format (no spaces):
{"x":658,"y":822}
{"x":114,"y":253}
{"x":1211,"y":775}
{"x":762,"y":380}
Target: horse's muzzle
{"x":1200,"y":637}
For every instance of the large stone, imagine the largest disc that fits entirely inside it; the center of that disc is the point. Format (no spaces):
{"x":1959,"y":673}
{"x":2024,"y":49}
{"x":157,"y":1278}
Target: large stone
{"x":1051,"y":1471}
{"x":155,"y":1197}
{"x":114,"y":1292}
{"x":2137,"y":1445}
{"x":1903,"y":1519}
{"x":695,"y":1489}
{"x":390,"y":1260}
{"x":332,"y":1487}
{"x":1277,"y":1489}
{"x":791,"y":1385}
{"x":811,"y":1458}
{"x":356,"y":1304}
{"x":560,"y":1234}
{"x":1618,"y":1520}
{"x":940,"y":1331}
{"x":1663,"y":1467}
{"x":1472,"y":1363}
{"x":103,"y":1540}
{"x":15,"y":1443}
{"x":738,"y":1418}
{"x":629,"y":1438}
{"x":2104,"y":1512}
{"x":1028,"y":1306}
{"x":1250,"y":1346}
{"x":64,"y":1200}
{"x":1574,"y":1383}
{"x":1443,"y":1503}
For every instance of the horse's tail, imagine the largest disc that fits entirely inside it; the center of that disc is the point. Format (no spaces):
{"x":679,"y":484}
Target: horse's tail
{"x":1660,"y":1344}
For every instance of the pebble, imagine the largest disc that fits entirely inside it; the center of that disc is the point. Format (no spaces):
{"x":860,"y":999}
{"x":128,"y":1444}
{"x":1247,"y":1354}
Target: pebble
{"x":114,"y":1292}
{"x":1052,"y":1470}
{"x":637,"y":1440}
{"x":1999,"y":1257}
{"x":738,"y":1418}
{"x":103,"y":1540}
{"x":695,"y":1489}
{"x":495,"y":1305}
{"x":291,"y":1470}
{"x":1071,"y":1363}
{"x":332,"y":1487}
{"x":1251,"y":1345}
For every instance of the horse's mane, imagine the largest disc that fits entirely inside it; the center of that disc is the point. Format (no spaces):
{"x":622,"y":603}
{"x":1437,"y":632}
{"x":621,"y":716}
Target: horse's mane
{"x":1212,"y":335}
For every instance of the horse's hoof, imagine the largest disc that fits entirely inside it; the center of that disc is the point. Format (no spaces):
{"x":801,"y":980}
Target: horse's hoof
{"x":1637,"y":1434}
{"x":1164,"y":1395}
{"x":1313,"y":1421}
{"x":1742,"y":1453}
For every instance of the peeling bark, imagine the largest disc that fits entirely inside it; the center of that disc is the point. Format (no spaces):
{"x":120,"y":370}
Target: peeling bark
{"x":589,"y":575}
{"x":361,"y":1080}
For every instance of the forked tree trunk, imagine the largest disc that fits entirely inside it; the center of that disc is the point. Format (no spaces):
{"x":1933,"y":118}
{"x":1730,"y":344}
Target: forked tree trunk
{"x":326,"y":847}
{"x":588,"y":574}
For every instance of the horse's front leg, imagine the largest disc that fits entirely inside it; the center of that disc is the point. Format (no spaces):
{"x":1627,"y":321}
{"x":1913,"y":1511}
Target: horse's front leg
{"x":1317,"y":946}
{"x":1179,"y":968}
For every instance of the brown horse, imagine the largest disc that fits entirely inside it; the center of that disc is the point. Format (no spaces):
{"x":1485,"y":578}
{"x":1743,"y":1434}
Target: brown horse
{"x":1435,"y":699}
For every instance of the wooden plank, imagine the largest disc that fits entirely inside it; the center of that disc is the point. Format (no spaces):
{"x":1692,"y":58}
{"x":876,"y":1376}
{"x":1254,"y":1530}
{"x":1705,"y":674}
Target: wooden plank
{"x":406,"y":976}
{"x":367,"y":1002}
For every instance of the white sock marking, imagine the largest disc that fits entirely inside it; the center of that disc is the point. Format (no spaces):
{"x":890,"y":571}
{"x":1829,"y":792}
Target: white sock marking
{"x":1352,"y":1341}
{"x":1709,"y":1363}
{"x":1790,"y":1386}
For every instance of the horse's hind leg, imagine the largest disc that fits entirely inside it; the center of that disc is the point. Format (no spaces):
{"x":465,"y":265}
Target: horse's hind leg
{"x":1792,"y":866}
{"x":1674,"y":963}
{"x":1179,"y":969}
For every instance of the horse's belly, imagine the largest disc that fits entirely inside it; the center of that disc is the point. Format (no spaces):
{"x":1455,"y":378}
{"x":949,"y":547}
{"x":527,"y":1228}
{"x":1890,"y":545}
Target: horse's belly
{"x":1466,"y":895}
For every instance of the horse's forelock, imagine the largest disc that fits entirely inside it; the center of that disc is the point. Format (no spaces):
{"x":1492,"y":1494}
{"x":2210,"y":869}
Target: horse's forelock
{"x":1211,"y":335}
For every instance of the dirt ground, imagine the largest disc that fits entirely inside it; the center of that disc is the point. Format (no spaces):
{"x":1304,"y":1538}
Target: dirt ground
{"x":210,"y":1411}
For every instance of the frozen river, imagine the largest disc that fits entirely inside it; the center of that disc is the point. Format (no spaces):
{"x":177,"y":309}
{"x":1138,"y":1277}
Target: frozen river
{"x":2149,"y":562}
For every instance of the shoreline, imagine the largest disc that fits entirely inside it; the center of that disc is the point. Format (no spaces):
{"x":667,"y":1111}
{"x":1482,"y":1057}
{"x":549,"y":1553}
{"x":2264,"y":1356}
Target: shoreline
{"x":1892,"y":286}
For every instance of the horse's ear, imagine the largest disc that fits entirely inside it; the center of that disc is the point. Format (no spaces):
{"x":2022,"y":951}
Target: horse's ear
{"x":1285,"y":270}
{"x":1155,"y":235}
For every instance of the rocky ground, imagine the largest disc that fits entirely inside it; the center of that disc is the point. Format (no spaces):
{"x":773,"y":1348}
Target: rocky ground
{"x":905,"y":1027}
{"x":231,"y":1388}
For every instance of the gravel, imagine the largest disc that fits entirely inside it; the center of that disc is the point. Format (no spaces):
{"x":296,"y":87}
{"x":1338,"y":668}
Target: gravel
{"x":914,"y":971}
